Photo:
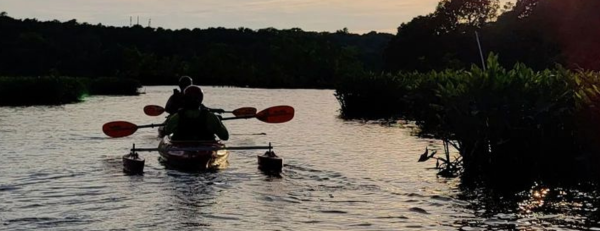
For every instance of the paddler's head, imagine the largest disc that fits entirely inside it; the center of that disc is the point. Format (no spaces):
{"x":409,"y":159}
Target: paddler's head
{"x":193,"y":97}
{"x":184,"y":82}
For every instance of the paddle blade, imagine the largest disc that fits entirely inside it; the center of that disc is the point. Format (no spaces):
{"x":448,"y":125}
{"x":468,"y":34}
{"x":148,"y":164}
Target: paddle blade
{"x":277,"y":114}
{"x":244,"y":111}
{"x":153,"y":110}
{"x":119,"y":129}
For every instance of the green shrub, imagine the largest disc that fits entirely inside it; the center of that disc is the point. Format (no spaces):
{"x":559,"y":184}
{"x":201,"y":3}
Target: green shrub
{"x":504,"y":123}
{"x":113,"y":86}
{"x":24,"y":91}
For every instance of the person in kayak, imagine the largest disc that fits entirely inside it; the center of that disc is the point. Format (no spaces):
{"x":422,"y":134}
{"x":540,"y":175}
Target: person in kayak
{"x":175,"y":101}
{"x":193,"y":122}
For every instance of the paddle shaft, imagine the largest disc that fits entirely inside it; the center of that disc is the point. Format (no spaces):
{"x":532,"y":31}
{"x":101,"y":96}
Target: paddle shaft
{"x":241,"y":117}
{"x":200,"y":148}
{"x":151,"y":125}
{"x":163,"y":124}
{"x":250,"y":134}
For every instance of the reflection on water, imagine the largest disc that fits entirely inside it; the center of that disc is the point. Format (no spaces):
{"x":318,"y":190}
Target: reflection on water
{"x":58,"y":171}
{"x":540,"y":207}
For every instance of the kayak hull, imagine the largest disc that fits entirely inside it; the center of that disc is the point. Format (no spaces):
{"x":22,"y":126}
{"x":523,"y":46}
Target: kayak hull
{"x":198,"y":160}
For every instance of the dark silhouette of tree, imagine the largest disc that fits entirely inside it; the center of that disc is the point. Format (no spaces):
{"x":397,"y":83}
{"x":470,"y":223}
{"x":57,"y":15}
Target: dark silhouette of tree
{"x":538,"y":33}
{"x":267,"y":57}
{"x":472,"y":13}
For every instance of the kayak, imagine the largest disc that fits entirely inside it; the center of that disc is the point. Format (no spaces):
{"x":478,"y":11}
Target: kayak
{"x":193,"y":159}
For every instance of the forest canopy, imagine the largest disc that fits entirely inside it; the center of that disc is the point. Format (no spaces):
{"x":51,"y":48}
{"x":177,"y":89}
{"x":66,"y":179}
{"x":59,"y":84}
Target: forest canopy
{"x":269,"y":57}
{"x":538,"y":33}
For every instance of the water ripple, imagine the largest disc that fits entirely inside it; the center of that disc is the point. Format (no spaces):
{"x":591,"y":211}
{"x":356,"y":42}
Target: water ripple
{"x":59,"y":172}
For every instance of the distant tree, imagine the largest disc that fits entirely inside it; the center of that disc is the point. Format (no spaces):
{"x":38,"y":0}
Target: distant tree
{"x":538,"y":33}
{"x":473,"y":13}
{"x":343,"y":31}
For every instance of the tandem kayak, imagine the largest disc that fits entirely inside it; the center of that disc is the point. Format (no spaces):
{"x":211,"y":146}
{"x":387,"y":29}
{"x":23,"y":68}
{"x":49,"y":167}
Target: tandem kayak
{"x":205,"y":158}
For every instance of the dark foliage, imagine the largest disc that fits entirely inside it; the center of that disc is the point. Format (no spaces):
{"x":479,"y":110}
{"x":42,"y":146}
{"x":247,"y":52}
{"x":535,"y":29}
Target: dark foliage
{"x":113,"y":86}
{"x":504,"y":123}
{"x":26,"y":91}
{"x":537,"y":33}
{"x":40,"y":91}
{"x":215,"y":56}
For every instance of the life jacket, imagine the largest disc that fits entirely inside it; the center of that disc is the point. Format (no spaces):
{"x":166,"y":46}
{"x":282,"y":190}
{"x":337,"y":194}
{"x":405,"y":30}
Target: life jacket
{"x":193,"y":128}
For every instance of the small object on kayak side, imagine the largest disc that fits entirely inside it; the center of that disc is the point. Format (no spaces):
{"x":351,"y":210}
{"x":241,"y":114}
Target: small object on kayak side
{"x":133,"y":163}
{"x":270,"y":162}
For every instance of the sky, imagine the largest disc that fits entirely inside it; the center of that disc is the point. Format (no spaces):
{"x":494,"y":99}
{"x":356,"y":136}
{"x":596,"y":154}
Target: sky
{"x":359,"y":16}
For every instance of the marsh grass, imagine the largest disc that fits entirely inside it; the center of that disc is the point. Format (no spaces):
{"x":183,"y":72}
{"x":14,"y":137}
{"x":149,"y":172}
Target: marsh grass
{"x":26,"y":91}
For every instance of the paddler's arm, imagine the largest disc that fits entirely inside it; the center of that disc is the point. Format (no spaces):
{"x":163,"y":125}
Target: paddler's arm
{"x":213,"y":110}
{"x":171,"y":124}
{"x":215,"y":125}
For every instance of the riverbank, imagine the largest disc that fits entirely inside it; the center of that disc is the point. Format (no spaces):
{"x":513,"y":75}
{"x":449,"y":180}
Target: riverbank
{"x":27,"y":91}
{"x":505,"y":123}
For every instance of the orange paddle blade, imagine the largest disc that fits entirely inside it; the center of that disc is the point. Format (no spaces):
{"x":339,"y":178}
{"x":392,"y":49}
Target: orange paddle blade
{"x":244,"y":111}
{"x":153,"y":110}
{"x":119,"y":129}
{"x":277,"y":114}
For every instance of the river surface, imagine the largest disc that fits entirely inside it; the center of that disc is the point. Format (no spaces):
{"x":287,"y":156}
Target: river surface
{"x":58,"y":171}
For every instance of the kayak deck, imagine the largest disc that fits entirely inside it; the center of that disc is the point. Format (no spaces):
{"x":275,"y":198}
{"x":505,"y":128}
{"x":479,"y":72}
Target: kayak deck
{"x":197,"y":160}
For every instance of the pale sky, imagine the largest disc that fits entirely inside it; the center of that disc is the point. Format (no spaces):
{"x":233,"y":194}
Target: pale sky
{"x":359,"y":16}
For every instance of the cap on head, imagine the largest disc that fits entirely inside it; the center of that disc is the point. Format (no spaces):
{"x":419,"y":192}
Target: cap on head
{"x":184,"y":82}
{"x":194,"y":93}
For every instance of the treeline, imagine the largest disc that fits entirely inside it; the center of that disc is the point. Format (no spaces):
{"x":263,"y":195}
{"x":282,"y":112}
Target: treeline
{"x":215,"y":56}
{"x":539,"y":33}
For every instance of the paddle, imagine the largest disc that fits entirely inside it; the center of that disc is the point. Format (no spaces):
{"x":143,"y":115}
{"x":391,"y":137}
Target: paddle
{"x":277,"y":114}
{"x":243,"y":111}
{"x":249,"y":134}
{"x":200,"y":148}
{"x":118,"y":129}
{"x":155,"y":110}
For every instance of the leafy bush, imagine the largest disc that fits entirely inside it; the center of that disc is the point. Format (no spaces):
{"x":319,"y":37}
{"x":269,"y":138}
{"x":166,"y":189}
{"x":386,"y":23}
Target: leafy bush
{"x":40,"y":90}
{"x":504,"y":123}
{"x":113,"y":86}
{"x":25,"y":91}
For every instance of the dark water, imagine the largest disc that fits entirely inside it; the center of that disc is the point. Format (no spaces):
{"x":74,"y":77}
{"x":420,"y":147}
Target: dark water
{"x":58,"y":171}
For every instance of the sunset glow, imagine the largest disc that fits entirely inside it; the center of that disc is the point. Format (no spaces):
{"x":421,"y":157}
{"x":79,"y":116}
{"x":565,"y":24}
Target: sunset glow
{"x":359,"y":16}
